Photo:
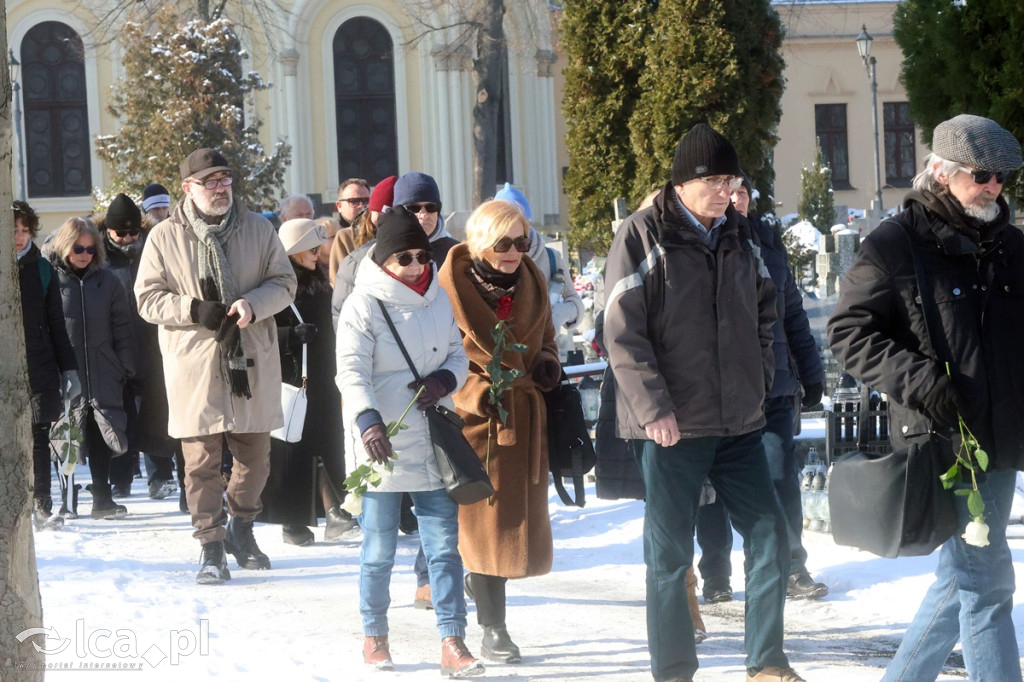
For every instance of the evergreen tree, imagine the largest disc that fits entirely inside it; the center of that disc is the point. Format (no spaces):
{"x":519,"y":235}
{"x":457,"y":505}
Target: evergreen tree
{"x":603,"y":42}
{"x":963,"y":57}
{"x":184,"y":89}
{"x":817,"y":205}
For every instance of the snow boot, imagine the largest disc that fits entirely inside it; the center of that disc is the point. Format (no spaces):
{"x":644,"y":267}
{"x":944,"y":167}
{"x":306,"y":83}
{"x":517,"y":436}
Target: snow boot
{"x":376,"y":653}
{"x":498,"y":646}
{"x":241,"y":543}
{"x":103,"y":505}
{"x":42,"y":517}
{"x":456,"y":661}
{"x":214,"y":570}
{"x":297,"y":535}
{"x":162,"y":489}
{"x":339,"y":522}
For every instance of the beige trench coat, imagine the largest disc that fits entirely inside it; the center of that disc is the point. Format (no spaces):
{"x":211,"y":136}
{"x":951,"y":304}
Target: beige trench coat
{"x":198,"y":394}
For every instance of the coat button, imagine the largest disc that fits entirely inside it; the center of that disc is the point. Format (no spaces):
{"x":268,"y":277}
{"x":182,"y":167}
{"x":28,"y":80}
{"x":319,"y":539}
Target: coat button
{"x":1006,"y":288}
{"x":956,"y":291}
{"x":905,"y":429}
{"x":984,"y":288}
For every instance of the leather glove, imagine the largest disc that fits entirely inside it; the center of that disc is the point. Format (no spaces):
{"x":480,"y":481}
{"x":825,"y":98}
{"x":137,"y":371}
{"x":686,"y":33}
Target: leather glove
{"x":377,"y":443}
{"x":304,"y":333}
{"x":940,"y":403}
{"x":208,"y":314}
{"x":434,"y":388}
{"x":812,"y":395}
{"x":227,"y":326}
{"x":547,"y":373}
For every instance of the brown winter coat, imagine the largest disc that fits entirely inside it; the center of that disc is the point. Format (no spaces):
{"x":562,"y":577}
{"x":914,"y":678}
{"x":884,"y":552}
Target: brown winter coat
{"x":509,"y":536}
{"x":198,"y":393}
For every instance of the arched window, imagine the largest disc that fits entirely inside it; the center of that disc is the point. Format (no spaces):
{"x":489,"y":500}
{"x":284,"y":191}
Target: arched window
{"x":56,"y":113}
{"x":364,"y":96}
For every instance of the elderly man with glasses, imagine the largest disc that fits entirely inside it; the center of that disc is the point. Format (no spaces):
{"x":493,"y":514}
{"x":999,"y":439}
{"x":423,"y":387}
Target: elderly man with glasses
{"x":688,"y":328}
{"x":944,"y":345}
{"x":212,"y":276}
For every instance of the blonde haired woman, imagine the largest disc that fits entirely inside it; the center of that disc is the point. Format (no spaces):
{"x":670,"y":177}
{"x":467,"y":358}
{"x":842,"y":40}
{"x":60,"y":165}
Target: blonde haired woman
{"x":100,"y":325}
{"x":509,"y":535}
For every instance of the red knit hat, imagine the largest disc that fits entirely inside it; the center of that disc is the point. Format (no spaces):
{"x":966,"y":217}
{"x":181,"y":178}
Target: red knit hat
{"x":383,"y":194}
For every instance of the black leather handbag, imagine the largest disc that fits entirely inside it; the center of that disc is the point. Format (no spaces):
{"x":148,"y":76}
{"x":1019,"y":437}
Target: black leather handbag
{"x":570,"y":449}
{"x":463,"y":473}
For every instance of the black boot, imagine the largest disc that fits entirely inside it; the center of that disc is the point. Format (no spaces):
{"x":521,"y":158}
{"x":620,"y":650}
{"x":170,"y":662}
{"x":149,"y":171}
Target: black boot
{"x":297,"y":535}
{"x":339,"y":522}
{"x":241,"y":543}
{"x":498,"y":646}
{"x":42,"y":516}
{"x":214,"y":570}
{"x":103,"y":505}
{"x":488,"y":592}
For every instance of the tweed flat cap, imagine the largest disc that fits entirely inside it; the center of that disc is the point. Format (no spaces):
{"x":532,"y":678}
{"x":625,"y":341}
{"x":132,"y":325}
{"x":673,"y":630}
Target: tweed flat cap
{"x":977,"y":141}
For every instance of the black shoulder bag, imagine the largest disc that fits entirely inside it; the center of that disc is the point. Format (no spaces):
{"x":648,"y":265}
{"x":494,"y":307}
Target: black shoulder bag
{"x":463,"y":474}
{"x":570,"y":449}
{"x":893,"y":504}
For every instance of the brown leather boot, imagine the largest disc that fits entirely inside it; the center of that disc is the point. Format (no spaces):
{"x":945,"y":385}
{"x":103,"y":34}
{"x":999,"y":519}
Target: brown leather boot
{"x":456,"y":661}
{"x":422,"y":599}
{"x":700,"y":632}
{"x":376,"y":653}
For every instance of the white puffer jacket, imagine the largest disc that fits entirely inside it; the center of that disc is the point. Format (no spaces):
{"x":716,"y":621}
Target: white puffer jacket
{"x":373,"y":374}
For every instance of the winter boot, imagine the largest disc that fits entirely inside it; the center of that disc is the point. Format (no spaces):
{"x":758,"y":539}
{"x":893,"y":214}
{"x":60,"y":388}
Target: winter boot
{"x":802,"y":586}
{"x":498,"y":646}
{"x":241,"y":543}
{"x":214,"y":570}
{"x":456,"y":661}
{"x":422,"y":600}
{"x":42,"y":517}
{"x":161,"y":489}
{"x":103,"y":505}
{"x":376,"y":653}
{"x":339,"y":522}
{"x":297,"y":535}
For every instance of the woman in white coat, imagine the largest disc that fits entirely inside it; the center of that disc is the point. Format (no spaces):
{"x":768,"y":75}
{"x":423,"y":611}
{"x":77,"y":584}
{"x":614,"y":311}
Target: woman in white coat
{"x":376,"y":385}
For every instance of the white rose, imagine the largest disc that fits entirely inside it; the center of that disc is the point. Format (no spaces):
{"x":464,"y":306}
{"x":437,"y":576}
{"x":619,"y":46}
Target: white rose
{"x":976,"y":534}
{"x":353,"y":504}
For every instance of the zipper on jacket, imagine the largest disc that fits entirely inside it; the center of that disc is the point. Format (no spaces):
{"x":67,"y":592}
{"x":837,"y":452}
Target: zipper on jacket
{"x":85,"y":339}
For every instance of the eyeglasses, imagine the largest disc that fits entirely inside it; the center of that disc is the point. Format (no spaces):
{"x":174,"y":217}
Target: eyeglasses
{"x":79,"y":249}
{"x":131,"y":232}
{"x":213,"y":184}
{"x":716,"y":184}
{"x":429,"y":207}
{"x":405,"y":258}
{"x":503,"y":245}
{"x":982,"y":177}
{"x":356,"y":201}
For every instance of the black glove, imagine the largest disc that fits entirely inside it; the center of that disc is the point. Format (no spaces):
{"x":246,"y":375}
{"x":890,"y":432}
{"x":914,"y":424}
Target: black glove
{"x":436,"y":385}
{"x":228,"y":326}
{"x":377,"y":443}
{"x":547,"y":373}
{"x":940,"y":403}
{"x":208,"y":314}
{"x":304,"y":333}
{"x":812,"y":395}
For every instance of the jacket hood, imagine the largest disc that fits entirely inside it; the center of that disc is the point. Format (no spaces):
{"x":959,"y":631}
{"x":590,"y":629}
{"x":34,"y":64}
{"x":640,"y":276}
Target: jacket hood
{"x":441,"y":230}
{"x":373,"y":279}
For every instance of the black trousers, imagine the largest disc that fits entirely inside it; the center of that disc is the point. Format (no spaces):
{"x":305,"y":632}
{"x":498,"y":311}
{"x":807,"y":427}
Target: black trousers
{"x":489,"y":596}
{"x":41,"y":460}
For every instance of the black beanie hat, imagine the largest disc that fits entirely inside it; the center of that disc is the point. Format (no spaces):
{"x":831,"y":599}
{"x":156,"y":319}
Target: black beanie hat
{"x":702,"y":152}
{"x":123,"y":214}
{"x":398,"y":230}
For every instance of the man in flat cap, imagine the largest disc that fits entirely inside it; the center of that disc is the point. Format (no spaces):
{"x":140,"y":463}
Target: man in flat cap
{"x":688,"y":328}
{"x":212,"y":276}
{"x":897,"y":334}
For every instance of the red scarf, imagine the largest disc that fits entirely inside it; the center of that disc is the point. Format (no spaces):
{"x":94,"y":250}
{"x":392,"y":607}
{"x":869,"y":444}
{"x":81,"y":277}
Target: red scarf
{"x":421,"y":285}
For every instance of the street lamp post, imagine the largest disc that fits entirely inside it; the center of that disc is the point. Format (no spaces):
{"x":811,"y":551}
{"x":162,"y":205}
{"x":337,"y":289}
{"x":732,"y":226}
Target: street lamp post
{"x":864,"y":48}
{"x":14,"y":65}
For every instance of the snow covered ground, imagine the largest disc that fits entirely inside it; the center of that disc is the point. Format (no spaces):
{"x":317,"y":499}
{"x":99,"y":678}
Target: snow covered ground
{"x":123,"y":593}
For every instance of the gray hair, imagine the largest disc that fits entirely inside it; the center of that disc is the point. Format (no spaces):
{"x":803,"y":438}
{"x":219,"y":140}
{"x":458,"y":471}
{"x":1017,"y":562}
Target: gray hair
{"x":925,"y":180}
{"x":70,"y":232}
{"x":288,"y":203}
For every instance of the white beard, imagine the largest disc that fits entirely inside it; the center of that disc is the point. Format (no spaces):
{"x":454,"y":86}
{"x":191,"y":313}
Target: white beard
{"x":985,"y":212}
{"x":214,"y":206}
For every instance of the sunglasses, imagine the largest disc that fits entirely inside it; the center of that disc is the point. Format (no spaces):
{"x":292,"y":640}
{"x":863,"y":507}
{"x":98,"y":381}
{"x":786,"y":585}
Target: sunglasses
{"x":356,"y":200}
{"x":213,"y":184}
{"x":132,"y":232}
{"x":429,"y":207}
{"x":405,"y":258}
{"x":503,"y":245}
{"x":77,"y":248}
{"x":982,"y":177}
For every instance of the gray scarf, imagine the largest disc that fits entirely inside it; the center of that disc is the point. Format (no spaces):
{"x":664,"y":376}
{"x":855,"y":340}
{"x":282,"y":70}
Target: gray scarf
{"x":217,"y":283}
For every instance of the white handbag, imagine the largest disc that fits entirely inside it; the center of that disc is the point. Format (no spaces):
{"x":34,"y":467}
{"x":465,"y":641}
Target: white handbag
{"x":293,"y":403}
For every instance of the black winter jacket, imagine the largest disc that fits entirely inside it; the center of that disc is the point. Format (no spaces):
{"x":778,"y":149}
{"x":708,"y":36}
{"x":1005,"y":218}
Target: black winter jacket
{"x":48,"y":349}
{"x":878,"y":330}
{"x":688,"y":329}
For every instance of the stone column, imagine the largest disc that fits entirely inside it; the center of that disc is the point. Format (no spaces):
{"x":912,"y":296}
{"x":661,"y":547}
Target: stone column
{"x":290,"y":62}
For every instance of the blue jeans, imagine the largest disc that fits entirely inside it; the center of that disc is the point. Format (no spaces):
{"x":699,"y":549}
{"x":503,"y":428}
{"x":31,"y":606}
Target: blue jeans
{"x":971,"y":601}
{"x":673,"y":477}
{"x":438,"y":517}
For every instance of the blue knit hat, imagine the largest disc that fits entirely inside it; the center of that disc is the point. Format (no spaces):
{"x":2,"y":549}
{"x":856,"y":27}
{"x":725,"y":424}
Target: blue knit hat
{"x":416,"y":187}
{"x":511,"y":194}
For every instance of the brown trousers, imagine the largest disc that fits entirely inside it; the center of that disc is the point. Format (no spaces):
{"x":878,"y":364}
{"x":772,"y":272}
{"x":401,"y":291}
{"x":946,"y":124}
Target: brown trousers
{"x":204,"y":487}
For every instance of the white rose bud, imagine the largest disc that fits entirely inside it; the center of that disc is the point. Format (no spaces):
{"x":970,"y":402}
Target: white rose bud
{"x":353,"y":504}
{"x":976,"y":534}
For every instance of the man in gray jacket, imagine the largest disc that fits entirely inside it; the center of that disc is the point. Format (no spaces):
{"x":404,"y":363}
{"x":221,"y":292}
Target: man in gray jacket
{"x":212,"y":276}
{"x":688,"y":327}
